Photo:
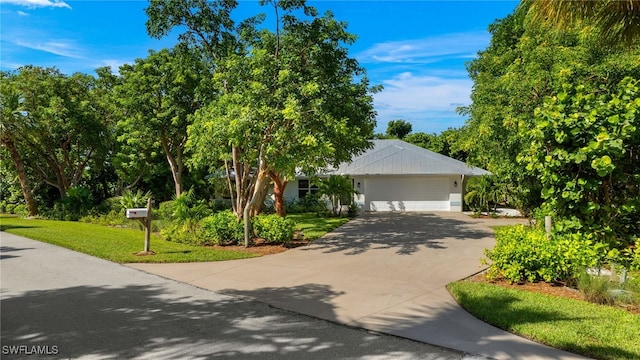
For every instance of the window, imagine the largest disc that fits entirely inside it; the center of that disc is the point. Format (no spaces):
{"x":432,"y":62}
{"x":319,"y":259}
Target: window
{"x":306,"y":187}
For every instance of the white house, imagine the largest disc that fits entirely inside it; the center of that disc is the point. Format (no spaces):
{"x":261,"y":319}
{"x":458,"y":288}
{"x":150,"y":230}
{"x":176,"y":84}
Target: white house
{"x":397,"y":176}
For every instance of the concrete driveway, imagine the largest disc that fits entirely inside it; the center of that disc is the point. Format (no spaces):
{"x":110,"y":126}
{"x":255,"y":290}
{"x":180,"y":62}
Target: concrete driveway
{"x":59,"y":304}
{"x":384,"y":272}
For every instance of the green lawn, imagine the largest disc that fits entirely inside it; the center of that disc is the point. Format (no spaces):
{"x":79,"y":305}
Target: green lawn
{"x":119,"y":245}
{"x":596,"y":331}
{"x":313,"y":226}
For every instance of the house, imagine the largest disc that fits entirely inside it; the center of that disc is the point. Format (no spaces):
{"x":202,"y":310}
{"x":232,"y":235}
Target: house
{"x":397,"y":176}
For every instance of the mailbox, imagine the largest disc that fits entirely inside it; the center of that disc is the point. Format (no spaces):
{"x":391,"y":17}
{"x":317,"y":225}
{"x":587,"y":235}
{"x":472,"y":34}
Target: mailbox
{"x":136,"y":213}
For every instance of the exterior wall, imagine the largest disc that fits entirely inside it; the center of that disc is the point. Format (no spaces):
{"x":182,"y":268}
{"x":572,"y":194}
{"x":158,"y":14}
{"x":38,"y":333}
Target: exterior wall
{"x":456,"y":190}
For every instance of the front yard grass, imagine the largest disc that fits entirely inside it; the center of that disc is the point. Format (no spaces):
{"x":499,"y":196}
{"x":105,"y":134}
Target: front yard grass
{"x":115,"y":244}
{"x":314,"y":226}
{"x":596,"y":331}
{"x":121,"y":244}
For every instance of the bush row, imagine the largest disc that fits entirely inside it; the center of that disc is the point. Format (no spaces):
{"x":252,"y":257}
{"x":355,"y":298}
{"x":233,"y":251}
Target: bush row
{"x":223,"y":228}
{"x":525,"y":253}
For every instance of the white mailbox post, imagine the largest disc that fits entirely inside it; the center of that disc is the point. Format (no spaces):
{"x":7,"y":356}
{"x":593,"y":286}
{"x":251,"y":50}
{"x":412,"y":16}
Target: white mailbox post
{"x":144,"y":216}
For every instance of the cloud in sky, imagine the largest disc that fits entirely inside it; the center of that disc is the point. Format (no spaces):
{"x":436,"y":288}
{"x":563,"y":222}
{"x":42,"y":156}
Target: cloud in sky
{"x":37,"y":3}
{"x":60,"y":47}
{"x":427,"y":50}
{"x":22,"y":13}
{"x":428,"y":102}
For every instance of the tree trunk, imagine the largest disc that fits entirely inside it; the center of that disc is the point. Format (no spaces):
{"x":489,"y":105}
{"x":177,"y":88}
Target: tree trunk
{"x":22,"y":176}
{"x":279,"y":185}
{"x":175,"y":164}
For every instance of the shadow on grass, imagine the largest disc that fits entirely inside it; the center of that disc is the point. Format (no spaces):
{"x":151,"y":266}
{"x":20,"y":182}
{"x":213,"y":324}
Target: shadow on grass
{"x":5,"y":227}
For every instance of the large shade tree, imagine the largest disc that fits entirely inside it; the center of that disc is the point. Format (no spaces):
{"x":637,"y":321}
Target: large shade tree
{"x":294,"y":101}
{"x":13,"y":121}
{"x":158,"y":96}
{"x":58,"y":133}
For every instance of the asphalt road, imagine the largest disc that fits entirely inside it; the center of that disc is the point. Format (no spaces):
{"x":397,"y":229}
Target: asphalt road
{"x":62,"y":304}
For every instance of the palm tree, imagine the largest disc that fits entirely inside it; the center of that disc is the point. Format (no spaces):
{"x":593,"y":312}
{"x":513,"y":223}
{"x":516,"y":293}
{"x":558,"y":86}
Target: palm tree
{"x":617,"y":20}
{"x":11,"y":118}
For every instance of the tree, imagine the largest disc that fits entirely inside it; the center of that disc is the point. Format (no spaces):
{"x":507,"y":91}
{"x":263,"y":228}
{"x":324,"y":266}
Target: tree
{"x":398,"y":129}
{"x":158,"y":96}
{"x":524,"y":63}
{"x":12,"y":121}
{"x":289,"y":103}
{"x":585,"y":149}
{"x":65,"y":136}
{"x":618,"y":21}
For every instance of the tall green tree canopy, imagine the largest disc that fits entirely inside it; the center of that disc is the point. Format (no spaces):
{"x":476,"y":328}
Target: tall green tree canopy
{"x":525,"y":62}
{"x":61,"y":133}
{"x":158,"y":96}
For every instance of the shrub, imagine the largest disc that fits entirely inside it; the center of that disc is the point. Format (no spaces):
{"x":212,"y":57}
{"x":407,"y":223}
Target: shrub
{"x":10,"y":208}
{"x":184,"y":233}
{"x":166,"y":209}
{"x":309,"y":203}
{"x":3,"y":207}
{"x":273,"y":228}
{"x":112,"y":218}
{"x":222,"y":228}
{"x":525,"y":253}
{"x":130,"y":199}
{"x":21,"y":210}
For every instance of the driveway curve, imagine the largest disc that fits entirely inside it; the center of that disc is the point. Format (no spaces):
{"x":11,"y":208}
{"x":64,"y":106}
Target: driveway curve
{"x":384,"y":272}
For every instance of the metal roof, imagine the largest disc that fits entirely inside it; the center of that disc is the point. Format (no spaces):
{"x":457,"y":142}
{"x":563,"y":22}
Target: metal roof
{"x":397,"y":157}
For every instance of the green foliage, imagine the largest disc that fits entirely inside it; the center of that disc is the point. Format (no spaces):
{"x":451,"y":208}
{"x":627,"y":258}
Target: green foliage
{"x":112,"y":218}
{"x":10,"y":208}
{"x":339,"y":190}
{"x":130,"y":199}
{"x":21,"y":210}
{"x":447,"y":143}
{"x":525,"y":63}
{"x":398,"y":129}
{"x":185,"y":234}
{"x":273,"y":228}
{"x":596,"y":289}
{"x":76,"y":204}
{"x":526,"y":254}
{"x":186,"y":208}
{"x":309,"y":203}
{"x":481,"y":193}
{"x":166,"y":210}
{"x":585,"y":150}
{"x":222,"y":228}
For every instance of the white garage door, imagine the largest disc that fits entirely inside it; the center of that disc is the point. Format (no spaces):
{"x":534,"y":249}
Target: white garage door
{"x":407,"y":194}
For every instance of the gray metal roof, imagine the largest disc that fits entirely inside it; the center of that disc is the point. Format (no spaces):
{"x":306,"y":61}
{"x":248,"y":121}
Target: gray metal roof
{"x":397,"y":157}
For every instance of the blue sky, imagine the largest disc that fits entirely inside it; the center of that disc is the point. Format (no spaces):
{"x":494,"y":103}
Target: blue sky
{"x":416,"y":49}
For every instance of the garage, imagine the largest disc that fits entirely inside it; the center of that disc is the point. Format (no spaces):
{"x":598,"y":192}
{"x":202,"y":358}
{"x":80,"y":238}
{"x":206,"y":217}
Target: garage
{"x":417,"y":193}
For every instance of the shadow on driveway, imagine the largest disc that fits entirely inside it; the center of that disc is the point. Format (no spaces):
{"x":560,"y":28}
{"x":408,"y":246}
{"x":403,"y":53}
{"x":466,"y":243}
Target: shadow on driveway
{"x":406,"y":232}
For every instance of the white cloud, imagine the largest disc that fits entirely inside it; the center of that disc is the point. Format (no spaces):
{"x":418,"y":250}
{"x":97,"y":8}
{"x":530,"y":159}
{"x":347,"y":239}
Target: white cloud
{"x":427,"y":50}
{"x":428,"y":102}
{"x":37,"y":3}
{"x":22,"y":13}
{"x":66,"y":48}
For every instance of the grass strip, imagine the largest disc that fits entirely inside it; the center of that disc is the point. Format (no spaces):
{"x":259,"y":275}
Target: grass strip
{"x":596,"y":331}
{"x":115,"y":244}
{"x":314,"y":226}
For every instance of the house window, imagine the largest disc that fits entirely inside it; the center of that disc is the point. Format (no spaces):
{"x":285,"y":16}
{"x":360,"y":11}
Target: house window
{"x":306,"y":187}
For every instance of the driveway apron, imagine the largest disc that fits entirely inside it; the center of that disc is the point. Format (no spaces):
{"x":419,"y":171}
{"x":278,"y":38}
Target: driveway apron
{"x":384,"y":272}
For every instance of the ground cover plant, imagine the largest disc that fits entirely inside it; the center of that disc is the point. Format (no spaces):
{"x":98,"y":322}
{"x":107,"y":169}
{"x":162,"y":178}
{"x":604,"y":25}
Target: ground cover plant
{"x":597,"y":331}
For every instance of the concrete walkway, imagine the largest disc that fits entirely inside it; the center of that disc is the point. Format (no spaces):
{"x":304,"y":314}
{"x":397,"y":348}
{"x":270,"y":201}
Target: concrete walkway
{"x":383,"y":272}
{"x":57,"y":303}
